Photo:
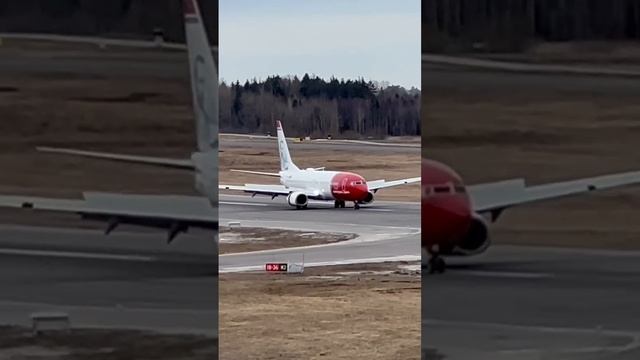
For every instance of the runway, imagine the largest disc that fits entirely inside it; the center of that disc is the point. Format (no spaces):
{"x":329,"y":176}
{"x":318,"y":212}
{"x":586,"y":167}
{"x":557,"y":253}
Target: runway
{"x":123,"y":280}
{"x":535,"y":303}
{"x":388,"y":231}
{"x":136,"y":280}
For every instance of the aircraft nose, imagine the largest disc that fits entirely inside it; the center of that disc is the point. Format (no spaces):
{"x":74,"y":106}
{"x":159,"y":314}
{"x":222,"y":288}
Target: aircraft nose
{"x":445,"y":220}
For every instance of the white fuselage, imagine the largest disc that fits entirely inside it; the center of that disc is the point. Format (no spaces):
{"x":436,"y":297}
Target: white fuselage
{"x":315,"y":183}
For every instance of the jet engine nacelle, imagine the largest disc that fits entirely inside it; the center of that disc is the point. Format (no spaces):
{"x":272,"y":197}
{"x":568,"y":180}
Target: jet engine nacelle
{"x":297,"y":199}
{"x":368,"y":199}
{"x":477,"y":239}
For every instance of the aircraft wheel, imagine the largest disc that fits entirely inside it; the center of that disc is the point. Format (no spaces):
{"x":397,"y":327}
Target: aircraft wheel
{"x":437,"y":265}
{"x":356,"y":206}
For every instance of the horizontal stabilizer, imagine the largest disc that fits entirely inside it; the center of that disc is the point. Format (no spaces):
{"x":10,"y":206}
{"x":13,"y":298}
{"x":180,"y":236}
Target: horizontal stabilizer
{"x":256,"y":172}
{"x":261,"y":189}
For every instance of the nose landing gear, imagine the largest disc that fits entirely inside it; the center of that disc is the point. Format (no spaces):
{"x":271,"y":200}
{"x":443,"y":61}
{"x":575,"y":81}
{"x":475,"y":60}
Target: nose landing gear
{"x":356,"y":206}
{"x":436,"y":265}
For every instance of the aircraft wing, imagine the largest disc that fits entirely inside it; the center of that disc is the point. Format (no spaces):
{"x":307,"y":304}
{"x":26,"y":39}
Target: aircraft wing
{"x":174,"y":213}
{"x":256,"y":172}
{"x":260,"y":189}
{"x":149,"y":160}
{"x":495,"y":197}
{"x":381,"y":184}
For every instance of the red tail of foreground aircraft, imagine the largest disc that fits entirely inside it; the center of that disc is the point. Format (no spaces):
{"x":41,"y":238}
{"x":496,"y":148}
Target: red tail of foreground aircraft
{"x":455,"y":217}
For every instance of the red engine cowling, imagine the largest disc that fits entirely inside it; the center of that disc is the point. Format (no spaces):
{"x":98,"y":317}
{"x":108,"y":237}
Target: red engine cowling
{"x":368,"y":198}
{"x":476,"y":241}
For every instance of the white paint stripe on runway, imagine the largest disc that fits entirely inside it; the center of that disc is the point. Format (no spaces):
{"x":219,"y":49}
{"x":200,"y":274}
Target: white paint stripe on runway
{"x":328,"y":263}
{"x":78,"y":255}
{"x":537,"y":328}
{"x":304,"y":225}
{"x":506,"y":274}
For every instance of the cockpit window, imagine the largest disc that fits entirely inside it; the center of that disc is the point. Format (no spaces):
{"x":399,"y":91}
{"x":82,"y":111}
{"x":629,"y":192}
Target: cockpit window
{"x":444,"y":189}
{"x":358,"y":183}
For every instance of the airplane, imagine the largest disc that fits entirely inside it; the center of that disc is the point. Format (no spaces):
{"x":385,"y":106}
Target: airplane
{"x":300,"y":185}
{"x":175,"y":213}
{"x":455,"y":216}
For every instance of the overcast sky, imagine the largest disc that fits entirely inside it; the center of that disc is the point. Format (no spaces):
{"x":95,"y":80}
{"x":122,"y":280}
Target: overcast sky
{"x":375,"y":39}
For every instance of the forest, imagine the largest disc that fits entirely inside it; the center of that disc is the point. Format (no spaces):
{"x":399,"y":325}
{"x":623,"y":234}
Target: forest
{"x":448,"y":25}
{"x":110,"y":18}
{"x":315,"y":107}
{"x":512,"y":25}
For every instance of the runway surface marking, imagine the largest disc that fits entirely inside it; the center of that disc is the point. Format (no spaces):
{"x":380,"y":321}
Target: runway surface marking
{"x":633,"y":337}
{"x":305,"y":225}
{"x":328,"y":263}
{"x":390,"y":202}
{"x":288,"y":250}
{"x":77,"y":255}
{"x":117,"y":307}
{"x":310,"y":203}
{"x":506,"y":274}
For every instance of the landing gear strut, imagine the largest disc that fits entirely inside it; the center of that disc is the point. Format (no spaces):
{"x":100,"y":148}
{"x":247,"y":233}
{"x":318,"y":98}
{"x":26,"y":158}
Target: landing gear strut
{"x":339,"y":204}
{"x":436,"y":264}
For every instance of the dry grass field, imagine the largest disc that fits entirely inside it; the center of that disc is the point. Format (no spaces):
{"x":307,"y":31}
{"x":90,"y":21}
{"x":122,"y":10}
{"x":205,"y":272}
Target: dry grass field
{"x":339,"y":314}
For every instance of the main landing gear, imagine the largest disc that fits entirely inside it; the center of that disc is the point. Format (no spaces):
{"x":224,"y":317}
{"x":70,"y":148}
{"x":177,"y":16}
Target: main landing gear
{"x":338,"y":204}
{"x":342,"y":204}
{"x":436,"y":264}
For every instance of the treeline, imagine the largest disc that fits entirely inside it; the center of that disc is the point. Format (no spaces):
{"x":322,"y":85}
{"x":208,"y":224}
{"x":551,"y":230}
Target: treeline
{"x":116,"y":18}
{"x":508,"y":25}
{"x":312,"y":106}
